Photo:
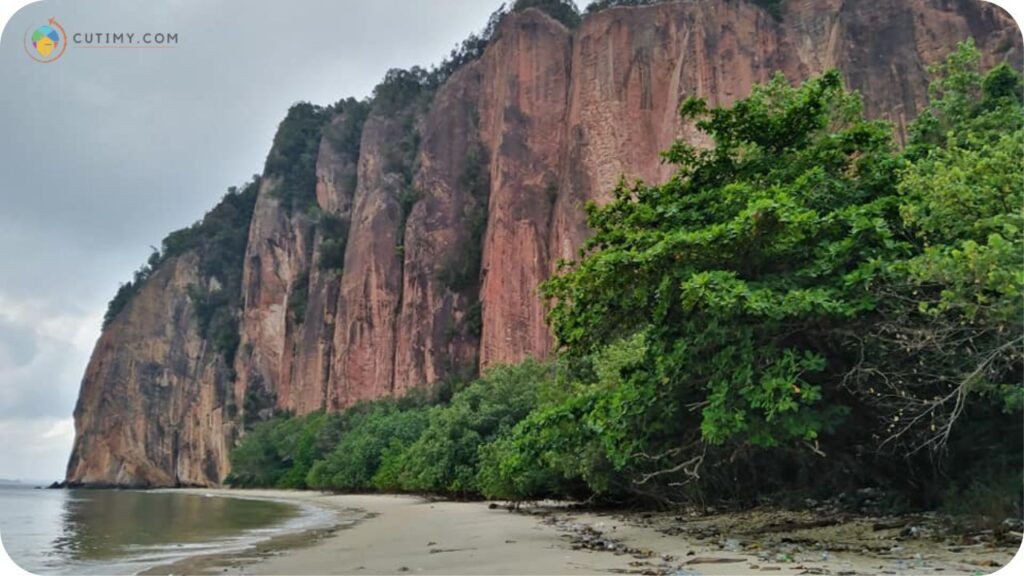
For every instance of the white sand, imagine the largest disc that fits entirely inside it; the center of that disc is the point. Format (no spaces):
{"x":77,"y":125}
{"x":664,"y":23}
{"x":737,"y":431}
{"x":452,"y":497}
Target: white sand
{"x":410,"y":535}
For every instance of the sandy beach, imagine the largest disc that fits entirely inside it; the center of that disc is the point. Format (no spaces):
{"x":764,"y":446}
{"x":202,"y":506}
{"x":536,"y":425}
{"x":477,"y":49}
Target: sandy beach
{"x":389,"y":534}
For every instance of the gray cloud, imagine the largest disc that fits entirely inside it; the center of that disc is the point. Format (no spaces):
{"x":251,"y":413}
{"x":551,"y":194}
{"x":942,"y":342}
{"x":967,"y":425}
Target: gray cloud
{"x":17,"y":346}
{"x":106,"y":151}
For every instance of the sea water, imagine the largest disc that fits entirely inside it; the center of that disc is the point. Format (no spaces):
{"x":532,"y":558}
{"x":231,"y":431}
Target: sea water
{"x":127,"y":531}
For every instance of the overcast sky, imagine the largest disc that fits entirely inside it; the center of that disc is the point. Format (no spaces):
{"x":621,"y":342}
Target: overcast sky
{"x":104,"y":152}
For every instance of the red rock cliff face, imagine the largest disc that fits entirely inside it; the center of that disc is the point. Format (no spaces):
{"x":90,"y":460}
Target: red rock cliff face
{"x":371,"y":283}
{"x":155,"y":406}
{"x":290,"y":301}
{"x":275,"y":261}
{"x":436,"y":335}
{"x":458,"y":206}
{"x":312,"y":347}
{"x":522,"y":111}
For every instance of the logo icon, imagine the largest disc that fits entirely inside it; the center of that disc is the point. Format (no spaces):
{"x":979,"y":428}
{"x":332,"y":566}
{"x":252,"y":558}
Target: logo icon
{"x":46,"y":43}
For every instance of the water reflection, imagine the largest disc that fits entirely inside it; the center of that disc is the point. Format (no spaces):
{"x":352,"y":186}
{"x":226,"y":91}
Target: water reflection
{"x":103,"y":525}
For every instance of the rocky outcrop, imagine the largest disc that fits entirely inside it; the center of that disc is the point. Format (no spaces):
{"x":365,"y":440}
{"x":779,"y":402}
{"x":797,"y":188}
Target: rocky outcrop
{"x":155,"y":407}
{"x":312,"y":348}
{"x":434,"y":223}
{"x":438,"y":326}
{"x":522,"y":111}
{"x":371,"y":283}
{"x":276,"y":264}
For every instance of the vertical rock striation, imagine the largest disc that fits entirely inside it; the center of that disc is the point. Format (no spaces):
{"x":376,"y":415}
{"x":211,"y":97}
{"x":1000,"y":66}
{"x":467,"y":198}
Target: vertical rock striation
{"x":276,"y":264}
{"x":154,"y":409}
{"x":312,"y":348}
{"x":522,"y":112}
{"x":437,"y":334}
{"x":435,"y":221}
{"x":366,"y":330}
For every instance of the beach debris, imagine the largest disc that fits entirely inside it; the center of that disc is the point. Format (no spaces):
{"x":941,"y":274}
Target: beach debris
{"x":714,"y":560}
{"x":984,"y":562}
{"x":443,"y":550}
{"x":682,"y":572}
{"x":889,"y":524}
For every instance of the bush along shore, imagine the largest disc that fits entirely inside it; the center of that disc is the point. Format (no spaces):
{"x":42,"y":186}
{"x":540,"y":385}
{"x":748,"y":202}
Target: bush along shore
{"x":805,"y":310}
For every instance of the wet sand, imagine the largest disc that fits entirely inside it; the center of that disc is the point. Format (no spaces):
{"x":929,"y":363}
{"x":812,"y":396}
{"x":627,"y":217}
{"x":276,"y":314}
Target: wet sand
{"x":387,"y":534}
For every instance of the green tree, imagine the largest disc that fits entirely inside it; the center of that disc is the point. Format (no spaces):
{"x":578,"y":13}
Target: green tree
{"x":802,"y":273}
{"x":948,"y":337}
{"x":445,"y":457}
{"x":280,"y":452}
{"x":368,"y":432}
{"x":740,"y":264}
{"x":292,"y":159}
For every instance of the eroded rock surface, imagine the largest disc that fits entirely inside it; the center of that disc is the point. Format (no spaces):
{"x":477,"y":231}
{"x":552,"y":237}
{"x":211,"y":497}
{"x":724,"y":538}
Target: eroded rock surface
{"x":455,"y":207}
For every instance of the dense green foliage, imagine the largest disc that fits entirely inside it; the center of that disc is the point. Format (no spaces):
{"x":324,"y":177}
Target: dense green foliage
{"x":772,"y":7}
{"x":219,"y":240}
{"x":371,"y":434}
{"x":345,"y":133}
{"x":280,"y":451}
{"x":564,"y":11}
{"x":803,"y":283}
{"x":445,"y":457}
{"x":599,"y":5}
{"x":406,"y":444}
{"x":461,"y":271}
{"x":802,"y":309}
{"x":292,"y":158}
{"x":333,"y":241}
{"x":733,"y":267}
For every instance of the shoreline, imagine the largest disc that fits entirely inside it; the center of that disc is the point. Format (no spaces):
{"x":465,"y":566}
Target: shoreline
{"x":397,"y":534}
{"x":315,"y":520}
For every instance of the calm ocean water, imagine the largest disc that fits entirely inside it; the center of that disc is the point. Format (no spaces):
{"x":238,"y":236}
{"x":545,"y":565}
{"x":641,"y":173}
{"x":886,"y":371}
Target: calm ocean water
{"x":126,"y":531}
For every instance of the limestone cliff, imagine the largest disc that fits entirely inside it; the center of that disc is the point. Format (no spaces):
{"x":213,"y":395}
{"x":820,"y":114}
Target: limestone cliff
{"x":155,"y":406}
{"x":416,"y":253}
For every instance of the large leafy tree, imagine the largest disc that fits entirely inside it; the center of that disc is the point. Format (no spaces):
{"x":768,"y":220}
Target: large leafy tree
{"x":947,"y":337}
{"x":802,"y":273}
{"x":741,"y":266}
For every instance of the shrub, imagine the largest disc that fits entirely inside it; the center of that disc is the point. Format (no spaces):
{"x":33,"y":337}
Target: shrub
{"x":599,"y":5}
{"x":562,"y":10}
{"x":278,"y":452}
{"x":444,"y":458}
{"x":803,"y":283}
{"x":292,"y":158}
{"x":345,"y":132}
{"x":298,"y":299}
{"x":220,"y":240}
{"x":585,"y":434}
{"x":368,"y":433}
